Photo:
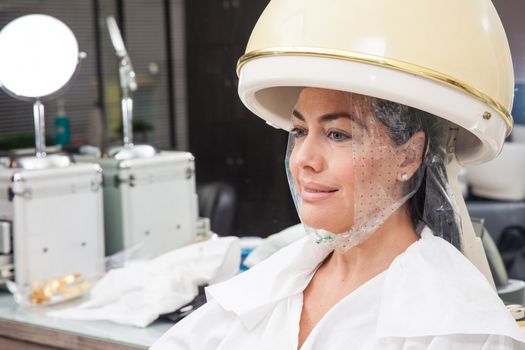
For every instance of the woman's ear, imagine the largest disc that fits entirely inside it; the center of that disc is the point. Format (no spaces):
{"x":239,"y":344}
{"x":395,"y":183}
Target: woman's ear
{"x":411,"y":155}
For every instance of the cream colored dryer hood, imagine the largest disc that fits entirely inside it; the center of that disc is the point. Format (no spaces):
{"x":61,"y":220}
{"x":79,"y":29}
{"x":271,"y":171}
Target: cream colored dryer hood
{"x":448,"y":57}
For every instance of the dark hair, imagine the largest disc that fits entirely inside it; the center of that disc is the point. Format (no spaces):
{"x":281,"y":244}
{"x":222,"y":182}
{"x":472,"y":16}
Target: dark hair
{"x":431,"y":203}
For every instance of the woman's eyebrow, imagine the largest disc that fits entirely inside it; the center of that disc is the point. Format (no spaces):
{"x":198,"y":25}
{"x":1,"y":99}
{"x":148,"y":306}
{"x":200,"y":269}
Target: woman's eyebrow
{"x":298,"y":115}
{"x":333,"y":116}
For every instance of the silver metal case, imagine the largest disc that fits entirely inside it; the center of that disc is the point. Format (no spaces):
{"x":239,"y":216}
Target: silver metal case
{"x":150,"y":203}
{"x":56,"y":219}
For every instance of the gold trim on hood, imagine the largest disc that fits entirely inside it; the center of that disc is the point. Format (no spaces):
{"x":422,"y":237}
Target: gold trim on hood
{"x":382,"y":62}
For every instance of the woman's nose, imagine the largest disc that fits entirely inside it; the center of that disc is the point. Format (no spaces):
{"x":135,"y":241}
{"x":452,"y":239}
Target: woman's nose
{"x":307,"y":154}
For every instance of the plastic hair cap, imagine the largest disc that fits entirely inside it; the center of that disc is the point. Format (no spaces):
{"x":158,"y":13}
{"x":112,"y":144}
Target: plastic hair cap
{"x":447,"y":57}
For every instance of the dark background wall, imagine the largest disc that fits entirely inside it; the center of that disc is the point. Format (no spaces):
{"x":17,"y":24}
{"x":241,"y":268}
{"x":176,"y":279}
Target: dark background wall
{"x":230,"y":143}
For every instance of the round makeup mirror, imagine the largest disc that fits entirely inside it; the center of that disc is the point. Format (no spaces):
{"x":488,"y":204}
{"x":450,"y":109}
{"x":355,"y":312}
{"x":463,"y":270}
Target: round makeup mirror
{"x":39,"y":56}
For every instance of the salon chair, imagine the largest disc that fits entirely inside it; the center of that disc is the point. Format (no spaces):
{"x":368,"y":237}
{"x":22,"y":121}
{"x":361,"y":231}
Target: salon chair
{"x":217,"y":201}
{"x":503,"y":236}
{"x":506,"y":223}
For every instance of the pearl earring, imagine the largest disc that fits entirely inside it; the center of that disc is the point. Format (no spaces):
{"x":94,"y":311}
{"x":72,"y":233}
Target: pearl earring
{"x":404,"y":177}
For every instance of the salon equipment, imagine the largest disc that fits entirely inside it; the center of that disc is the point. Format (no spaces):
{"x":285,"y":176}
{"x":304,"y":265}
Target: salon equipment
{"x":51,"y":220}
{"x":128,"y":83}
{"x":485,"y":180}
{"x":149,"y":196}
{"x":509,"y":290}
{"x":50,"y":208}
{"x":506,"y":223}
{"x":150,"y":201}
{"x":498,"y":216}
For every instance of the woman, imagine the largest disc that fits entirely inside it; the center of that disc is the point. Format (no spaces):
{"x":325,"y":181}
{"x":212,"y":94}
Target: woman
{"x":351,"y":163}
{"x":355,"y":163}
{"x":394,"y":263}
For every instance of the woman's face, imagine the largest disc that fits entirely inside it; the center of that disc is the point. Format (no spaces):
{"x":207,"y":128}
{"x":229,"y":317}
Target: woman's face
{"x":344,"y":164}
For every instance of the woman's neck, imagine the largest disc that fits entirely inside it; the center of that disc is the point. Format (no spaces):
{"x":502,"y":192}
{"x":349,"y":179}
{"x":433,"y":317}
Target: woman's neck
{"x":374,"y":255}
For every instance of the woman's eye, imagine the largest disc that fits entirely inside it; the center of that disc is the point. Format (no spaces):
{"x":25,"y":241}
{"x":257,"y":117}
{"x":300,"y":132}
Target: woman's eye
{"x":338,"y":136}
{"x":297,"y":132}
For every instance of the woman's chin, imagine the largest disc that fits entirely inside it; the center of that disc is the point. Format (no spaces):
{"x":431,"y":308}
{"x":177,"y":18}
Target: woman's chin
{"x":325,"y":218}
{"x":325,"y":223}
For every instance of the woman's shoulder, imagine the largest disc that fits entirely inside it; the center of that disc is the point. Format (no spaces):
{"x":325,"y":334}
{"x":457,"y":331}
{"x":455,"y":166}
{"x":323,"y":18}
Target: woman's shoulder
{"x":241,"y":302}
{"x":432,"y":289}
{"x":285,"y":273}
{"x":202,"y":329}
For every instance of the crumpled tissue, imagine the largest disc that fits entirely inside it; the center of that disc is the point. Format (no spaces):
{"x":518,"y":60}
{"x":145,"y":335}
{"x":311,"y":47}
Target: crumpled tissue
{"x":136,"y":295}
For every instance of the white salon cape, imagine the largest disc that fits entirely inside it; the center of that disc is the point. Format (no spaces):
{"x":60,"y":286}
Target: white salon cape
{"x":431,"y":297}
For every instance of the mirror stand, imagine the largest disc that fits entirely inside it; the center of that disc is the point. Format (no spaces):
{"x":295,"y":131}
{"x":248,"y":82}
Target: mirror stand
{"x":40,"y":134}
{"x":126,"y":78}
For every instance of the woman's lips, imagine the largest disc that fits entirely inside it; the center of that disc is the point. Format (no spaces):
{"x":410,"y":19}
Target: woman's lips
{"x":313,"y":192}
